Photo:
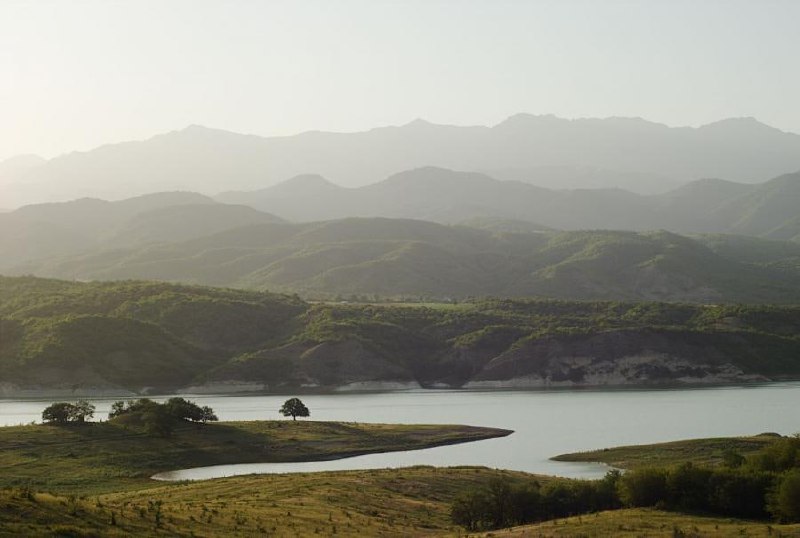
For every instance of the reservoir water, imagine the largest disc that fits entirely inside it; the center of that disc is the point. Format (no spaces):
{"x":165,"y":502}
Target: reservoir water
{"x":546,"y":423}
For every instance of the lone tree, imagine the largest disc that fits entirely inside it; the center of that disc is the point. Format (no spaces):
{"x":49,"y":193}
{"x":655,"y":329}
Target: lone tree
{"x":295,"y":408}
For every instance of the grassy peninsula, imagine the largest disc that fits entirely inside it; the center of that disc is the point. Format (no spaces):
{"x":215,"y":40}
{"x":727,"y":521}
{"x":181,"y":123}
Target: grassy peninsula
{"x":118,"y":455}
{"x":711,"y":451}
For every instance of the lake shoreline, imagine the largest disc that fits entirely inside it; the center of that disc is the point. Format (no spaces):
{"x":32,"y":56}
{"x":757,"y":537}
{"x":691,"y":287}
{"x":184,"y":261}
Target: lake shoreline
{"x":8,"y":392}
{"x":483,"y":433}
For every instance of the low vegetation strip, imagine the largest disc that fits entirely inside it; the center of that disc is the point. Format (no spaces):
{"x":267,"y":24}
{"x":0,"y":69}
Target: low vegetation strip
{"x":713,"y":451}
{"x":647,"y":522}
{"x":764,"y":485}
{"x":118,"y":454}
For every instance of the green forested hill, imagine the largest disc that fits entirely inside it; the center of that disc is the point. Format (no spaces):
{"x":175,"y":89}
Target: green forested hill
{"x":418,"y":259}
{"x":113,"y":336}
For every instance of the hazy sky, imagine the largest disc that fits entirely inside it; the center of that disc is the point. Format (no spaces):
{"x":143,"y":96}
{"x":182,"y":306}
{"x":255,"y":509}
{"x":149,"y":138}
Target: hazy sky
{"x":75,"y":74}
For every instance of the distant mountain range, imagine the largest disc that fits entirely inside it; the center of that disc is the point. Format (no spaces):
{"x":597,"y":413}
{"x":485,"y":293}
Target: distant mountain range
{"x":431,"y":233}
{"x":770,"y":209}
{"x":622,"y":153}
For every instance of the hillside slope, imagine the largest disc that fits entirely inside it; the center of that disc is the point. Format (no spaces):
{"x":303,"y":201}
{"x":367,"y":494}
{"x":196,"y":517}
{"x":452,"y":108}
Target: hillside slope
{"x":72,"y":338}
{"x":417,"y":259}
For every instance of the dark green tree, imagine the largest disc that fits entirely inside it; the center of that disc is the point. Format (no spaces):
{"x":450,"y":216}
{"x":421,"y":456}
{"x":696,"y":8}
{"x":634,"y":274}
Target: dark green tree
{"x":643,"y":487}
{"x":157,"y":420}
{"x":81,"y":411}
{"x":64,"y":412}
{"x":58,"y":413}
{"x":469,"y":510}
{"x":785,"y":501}
{"x":207,"y":415}
{"x":184,"y":409}
{"x":294,"y":408}
{"x":117,"y":408}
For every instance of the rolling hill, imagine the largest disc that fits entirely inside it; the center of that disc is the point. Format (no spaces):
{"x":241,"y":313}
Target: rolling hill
{"x":71,"y":338}
{"x":69,"y":228}
{"x":404,"y":258}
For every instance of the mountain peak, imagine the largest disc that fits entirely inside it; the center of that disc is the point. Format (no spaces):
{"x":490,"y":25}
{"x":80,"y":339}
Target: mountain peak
{"x":419,"y":123}
{"x":303,"y":184}
{"x":745,"y":124}
{"x":21,"y":163}
{"x":524,"y":119}
{"x":196,"y":128}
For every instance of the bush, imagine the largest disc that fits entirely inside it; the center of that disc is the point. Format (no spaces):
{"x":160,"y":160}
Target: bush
{"x":785,"y":500}
{"x":643,"y":487}
{"x":469,"y":510}
{"x":688,"y":487}
{"x":739,"y":493}
{"x":502,"y":503}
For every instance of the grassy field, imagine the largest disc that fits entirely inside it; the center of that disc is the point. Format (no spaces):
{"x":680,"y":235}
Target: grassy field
{"x":92,"y":481}
{"x":412,"y":501}
{"x":114,"y":456}
{"x":699,"y":451}
{"x":647,"y":523}
{"x":390,"y":502}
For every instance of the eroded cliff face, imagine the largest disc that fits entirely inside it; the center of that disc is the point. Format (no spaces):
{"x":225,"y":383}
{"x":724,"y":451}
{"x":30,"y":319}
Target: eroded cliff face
{"x":640,"y":357}
{"x":611,"y":358}
{"x":336,"y":365}
{"x":643,"y":369}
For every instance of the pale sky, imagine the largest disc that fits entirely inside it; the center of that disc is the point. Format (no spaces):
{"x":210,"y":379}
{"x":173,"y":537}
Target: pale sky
{"x":76,"y":74}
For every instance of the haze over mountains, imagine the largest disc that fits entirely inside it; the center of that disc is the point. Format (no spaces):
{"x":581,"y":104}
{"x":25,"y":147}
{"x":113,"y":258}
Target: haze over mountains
{"x":769,"y":209}
{"x":188,"y":237}
{"x":626,"y":153}
{"x":384,"y":218}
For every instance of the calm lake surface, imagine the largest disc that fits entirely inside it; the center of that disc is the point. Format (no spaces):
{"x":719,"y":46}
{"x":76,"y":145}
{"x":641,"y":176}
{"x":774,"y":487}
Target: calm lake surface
{"x":546,"y":423}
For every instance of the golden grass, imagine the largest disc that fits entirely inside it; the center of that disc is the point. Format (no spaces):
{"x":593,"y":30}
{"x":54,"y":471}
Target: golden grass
{"x":647,"y":523}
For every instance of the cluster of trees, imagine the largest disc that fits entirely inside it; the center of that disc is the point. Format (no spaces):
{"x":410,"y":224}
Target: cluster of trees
{"x":504,"y":502}
{"x":64,"y":412}
{"x":766,"y":484}
{"x":160,"y":419}
{"x":178,"y":408}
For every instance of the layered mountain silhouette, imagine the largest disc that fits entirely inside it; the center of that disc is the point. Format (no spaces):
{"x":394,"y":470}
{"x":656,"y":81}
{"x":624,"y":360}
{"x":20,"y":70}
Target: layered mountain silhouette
{"x":626,"y":153}
{"x":69,"y":228}
{"x":769,"y":209}
{"x":369,"y":257}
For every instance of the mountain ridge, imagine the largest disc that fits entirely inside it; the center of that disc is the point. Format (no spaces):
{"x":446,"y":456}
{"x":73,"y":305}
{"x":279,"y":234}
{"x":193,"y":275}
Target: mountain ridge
{"x":629,"y":153}
{"x":82,"y":339}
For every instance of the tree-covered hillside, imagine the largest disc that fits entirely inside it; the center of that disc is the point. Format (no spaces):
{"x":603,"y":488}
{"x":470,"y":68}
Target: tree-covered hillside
{"x":404,"y":258}
{"x":114,"y":336}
